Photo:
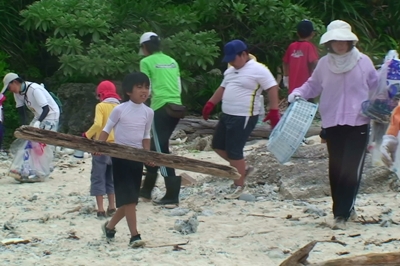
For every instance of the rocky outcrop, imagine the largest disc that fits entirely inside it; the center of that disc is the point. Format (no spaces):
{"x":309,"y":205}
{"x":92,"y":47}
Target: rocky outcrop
{"x":79,"y":101}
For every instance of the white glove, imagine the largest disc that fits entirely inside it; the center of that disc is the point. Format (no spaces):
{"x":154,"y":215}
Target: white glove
{"x":286,"y":81}
{"x":36,"y":124}
{"x":292,"y":97}
{"x":388,"y":149}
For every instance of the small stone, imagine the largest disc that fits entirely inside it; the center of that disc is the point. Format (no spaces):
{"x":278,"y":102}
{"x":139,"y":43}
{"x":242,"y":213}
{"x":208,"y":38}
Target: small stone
{"x":247,"y":197}
{"x":276,"y":254}
{"x":178,"y":212}
{"x":187,"y":180}
{"x":314,"y":210}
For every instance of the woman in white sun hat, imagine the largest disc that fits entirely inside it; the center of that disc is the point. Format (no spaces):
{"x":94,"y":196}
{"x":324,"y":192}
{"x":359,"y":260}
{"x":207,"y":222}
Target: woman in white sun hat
{"x":344,"y":78}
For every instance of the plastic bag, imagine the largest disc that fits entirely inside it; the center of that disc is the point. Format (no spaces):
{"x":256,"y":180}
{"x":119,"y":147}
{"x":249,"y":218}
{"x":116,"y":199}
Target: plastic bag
{"x":377,"y":131}
{"x":381,"y":104}
{"x":32,"y":162}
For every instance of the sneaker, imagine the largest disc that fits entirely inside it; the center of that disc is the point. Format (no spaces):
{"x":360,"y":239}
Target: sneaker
{"x":101,"y":215}
{"x":236,"y":194}
{"x":136,"y":242}
{"x":109,"y":233}
{"x":353,"y":215}
{"x":339,"y":224}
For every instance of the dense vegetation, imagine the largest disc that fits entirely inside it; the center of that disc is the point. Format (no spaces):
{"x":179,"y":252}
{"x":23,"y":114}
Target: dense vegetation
{"x":86,"y":41}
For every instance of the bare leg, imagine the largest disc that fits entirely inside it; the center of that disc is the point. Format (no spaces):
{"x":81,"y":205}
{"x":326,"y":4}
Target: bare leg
{"x":111,"y":201}
{"x":240,"y":165}
{"x":99,"y":201}
{"x":130,"y":214}
{"x":119,"y":214}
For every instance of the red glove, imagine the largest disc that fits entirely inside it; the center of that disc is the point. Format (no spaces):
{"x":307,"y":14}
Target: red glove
{"x":274,"y":116}
{"x":2,"y":99}
{"x":208,"y":109}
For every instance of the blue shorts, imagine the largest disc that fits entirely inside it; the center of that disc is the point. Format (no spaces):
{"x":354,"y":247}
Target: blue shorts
{"x":231,"y":134}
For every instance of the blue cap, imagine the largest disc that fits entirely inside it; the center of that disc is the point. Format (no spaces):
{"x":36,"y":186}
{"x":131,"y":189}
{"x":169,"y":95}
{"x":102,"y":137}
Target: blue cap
{"x":232,"y":48}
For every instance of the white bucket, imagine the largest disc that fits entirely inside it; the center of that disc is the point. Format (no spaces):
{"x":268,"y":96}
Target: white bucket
{"x":78,"y":154}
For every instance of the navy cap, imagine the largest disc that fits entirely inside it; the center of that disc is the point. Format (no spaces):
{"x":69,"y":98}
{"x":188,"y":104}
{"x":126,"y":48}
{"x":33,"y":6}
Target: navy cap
{"x":232,"y":48}
{"x":305,"y":28}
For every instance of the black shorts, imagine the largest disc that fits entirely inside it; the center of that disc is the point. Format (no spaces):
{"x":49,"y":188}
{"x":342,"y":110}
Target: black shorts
{"x":127,"y":180}
{"x":232,"y":133}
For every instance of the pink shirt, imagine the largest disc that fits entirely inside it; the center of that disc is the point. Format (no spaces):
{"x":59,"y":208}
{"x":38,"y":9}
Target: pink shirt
{"x":341,"y":94}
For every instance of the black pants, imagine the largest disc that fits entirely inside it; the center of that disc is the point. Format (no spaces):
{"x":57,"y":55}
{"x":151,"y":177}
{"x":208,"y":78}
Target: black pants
{"x":347,"y":148}
{"x":232,"y":133}
{"x":164,"y":126}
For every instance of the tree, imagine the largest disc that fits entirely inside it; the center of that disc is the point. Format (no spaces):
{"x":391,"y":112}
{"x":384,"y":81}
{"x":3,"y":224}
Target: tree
{"x":100,"y":38}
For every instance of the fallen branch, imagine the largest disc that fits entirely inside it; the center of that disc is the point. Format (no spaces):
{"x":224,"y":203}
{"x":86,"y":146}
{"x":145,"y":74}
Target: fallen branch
{"x":300,"y":257}
{"x":260,"y":215}
{"x":249,"y":233}
{"x":202,"y":127}
{"x":168,"y":245}
{"x":76,"y":209}
{"x":363,"y":221}
{"x":125,"y":152}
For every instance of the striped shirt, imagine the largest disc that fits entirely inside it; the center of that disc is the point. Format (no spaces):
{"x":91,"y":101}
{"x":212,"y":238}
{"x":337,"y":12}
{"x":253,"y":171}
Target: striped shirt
{"x":243,"y":88}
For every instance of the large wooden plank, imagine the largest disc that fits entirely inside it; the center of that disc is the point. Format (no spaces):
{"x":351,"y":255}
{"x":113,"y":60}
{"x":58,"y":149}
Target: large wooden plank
{"x":124,"y":152}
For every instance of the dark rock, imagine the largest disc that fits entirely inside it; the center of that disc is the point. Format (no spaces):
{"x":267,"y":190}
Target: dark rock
{"x":79,"y":101}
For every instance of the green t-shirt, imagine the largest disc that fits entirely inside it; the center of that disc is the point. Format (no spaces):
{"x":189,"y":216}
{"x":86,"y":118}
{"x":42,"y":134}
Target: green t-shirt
{"x":165,"y":79}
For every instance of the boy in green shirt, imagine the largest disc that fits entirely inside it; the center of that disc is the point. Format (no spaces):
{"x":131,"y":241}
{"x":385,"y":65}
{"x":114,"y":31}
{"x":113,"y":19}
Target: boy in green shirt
{"x":165,"y":87}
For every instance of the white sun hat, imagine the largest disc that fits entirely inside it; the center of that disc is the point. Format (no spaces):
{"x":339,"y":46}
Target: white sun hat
{"x":338,"y":30}
{"x":145,"y":38}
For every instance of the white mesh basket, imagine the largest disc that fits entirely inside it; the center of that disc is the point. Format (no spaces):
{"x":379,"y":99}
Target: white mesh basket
{"x":289,"y":133}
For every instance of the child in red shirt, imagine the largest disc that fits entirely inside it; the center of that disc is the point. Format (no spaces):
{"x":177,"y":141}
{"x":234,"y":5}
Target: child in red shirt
{"x":300,"y":58}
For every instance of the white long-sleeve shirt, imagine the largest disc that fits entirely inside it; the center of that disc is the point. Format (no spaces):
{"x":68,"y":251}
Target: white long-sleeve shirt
{"x":131,"y":123}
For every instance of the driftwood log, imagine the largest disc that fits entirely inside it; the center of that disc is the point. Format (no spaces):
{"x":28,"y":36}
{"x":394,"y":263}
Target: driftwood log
{"x":202,"y":127}
{"x":124,"y":152}
{"x":299,"y":258}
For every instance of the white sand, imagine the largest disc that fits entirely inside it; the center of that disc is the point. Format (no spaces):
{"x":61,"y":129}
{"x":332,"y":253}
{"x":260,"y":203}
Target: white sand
{"x":211,"y":245}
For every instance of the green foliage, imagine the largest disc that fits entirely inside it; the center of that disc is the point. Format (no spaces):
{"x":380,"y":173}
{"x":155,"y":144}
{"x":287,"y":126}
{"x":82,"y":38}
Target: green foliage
{"x":203,"y":88}
{"x":94,"y":38}
{"x":11,"y":119}
{"x":267,"y":26}
{"x":97,"y":39}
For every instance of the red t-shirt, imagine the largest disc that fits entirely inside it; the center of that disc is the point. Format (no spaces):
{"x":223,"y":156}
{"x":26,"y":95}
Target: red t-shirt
{"x":299,"y":56}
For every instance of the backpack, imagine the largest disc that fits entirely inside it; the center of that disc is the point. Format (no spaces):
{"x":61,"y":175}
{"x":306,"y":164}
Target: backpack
{"x":55,"y":98}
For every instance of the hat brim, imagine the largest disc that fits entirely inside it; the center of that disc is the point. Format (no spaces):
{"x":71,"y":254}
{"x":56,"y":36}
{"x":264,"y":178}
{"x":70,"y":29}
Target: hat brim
{"x":338,"y":35}
{"x":229,"y":58}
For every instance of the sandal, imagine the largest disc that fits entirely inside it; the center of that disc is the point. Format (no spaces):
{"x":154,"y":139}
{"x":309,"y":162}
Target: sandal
{"x":110,"y":212}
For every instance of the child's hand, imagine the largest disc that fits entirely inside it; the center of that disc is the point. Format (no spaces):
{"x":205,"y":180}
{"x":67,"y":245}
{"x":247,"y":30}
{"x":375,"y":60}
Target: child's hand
{"x":151,"y":164}
{"x":96,"y":153}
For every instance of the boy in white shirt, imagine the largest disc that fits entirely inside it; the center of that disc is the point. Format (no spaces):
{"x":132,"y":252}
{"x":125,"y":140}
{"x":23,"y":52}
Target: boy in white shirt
{"x":36,"y":98}
{"x":131,"y":122}
{"x":37,"y":158}
{"x":239,"y":92}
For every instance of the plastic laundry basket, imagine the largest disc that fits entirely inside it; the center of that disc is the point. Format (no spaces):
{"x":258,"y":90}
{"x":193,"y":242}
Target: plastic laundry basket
{"x":289,"y":133}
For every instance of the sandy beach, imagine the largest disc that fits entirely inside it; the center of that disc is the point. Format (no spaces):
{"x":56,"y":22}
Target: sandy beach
{"x":58,"y":218}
